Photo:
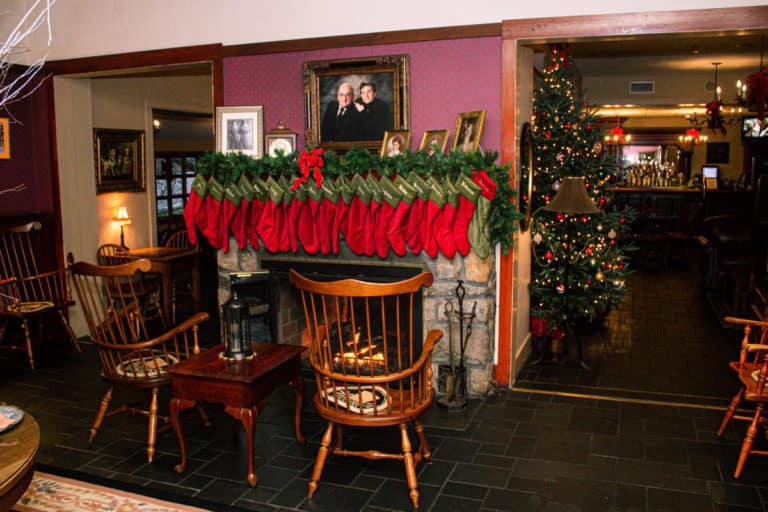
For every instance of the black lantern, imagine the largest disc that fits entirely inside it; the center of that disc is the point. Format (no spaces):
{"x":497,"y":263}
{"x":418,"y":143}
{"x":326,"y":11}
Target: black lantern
{"x":237,"y":326}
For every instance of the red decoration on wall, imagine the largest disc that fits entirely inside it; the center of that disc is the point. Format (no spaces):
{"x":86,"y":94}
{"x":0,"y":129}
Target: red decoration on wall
{"x":310,"y":161}
{"x":757,"y":91}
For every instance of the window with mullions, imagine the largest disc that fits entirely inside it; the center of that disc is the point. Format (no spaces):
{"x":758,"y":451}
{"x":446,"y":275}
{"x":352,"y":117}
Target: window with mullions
{"x":174,"y":173}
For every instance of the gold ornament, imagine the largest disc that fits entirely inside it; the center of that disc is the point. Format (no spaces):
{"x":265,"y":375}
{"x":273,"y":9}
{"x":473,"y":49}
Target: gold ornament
{"x":600,"y":276}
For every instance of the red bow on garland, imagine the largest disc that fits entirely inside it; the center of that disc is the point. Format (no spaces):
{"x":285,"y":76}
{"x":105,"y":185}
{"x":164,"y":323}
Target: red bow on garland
{"x":310,"y":161}
{"x":757,"y":91}
{"x":714,"y":116}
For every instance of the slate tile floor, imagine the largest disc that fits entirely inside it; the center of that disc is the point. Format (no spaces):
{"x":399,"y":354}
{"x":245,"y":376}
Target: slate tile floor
{"x":663,"y":343}
{"x":512,"y":451}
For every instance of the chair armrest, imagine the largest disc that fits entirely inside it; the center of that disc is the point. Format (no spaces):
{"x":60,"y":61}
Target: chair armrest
{"x":183,"y":327}
{"x":51,"y":285}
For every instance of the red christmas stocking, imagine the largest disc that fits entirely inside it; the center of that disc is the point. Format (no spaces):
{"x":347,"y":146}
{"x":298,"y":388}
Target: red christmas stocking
{"x":442,"y":229}
{"x":353,"y":224}
{"x":307,"y":228}
{"x":325,"y":217}
{"x":414,"y":230}
{"x":434,"y":206}
{"x":194,"y":204}
{"x":468,"y":194}
{"x":283,"y":233}
{"x":373,"y":216}
{"x":268,"y":227}
{"x":257,"y":208}
{"x":395,"y":231}
{"x":208,"y":216}
{"x":292,"y":217}
{"x":240,"y":220}
{"x":390,"y":199}
{"x":232,"y":199}
{"x":342,"y":208}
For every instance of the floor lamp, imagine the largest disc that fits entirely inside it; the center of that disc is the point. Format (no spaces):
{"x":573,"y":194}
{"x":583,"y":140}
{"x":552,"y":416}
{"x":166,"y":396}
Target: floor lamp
{"x":571,"y":198}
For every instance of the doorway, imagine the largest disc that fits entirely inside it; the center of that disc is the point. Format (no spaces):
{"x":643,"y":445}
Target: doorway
{"x":648,"y":32}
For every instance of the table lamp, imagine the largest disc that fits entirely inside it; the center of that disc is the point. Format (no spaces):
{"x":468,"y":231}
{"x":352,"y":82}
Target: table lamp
{"x":122,"y":218}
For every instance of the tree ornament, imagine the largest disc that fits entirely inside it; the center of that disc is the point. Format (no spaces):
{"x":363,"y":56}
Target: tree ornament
{"x":537,"y":238}
{"x":612,"y":242}
{"x":557,"y":118}
{"x":588,"y":251}
{"x":556,"y":186}
{"x":597,"y":147}
{"x":561,"y":157}
{"x":560,"y":216}
{"x":622,"y":220}
{"x":568,"y":126}
{"x":548,"y":134}
{"x":601,"y":201}
{"x":612,"y":234}
{"x":620,"y":266}
{"x":593,"y":262}
{"x":560,"y":288}
{"x":584,"y":220}
{"x":549,"y":255}
{"x":600,"y":276}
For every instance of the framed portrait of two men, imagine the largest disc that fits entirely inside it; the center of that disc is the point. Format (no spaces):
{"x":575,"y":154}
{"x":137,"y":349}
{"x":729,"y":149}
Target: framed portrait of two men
{"x":353,"y":102}
{"x":240,"y":129}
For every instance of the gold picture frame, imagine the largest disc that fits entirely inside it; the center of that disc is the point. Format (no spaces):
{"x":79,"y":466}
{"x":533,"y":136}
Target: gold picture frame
{"x":395,"y":142}
{"x":5,"y":138}
{"x":467,"y":132}
{"x":432,"y":138}
{"x":119,"y":160}
{"x":323,"y":81}
{"x":240,"y":130}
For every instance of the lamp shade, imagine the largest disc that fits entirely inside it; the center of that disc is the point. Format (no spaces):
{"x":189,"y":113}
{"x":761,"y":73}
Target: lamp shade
{"x":122,"y":215}
{"x":572,"y":197}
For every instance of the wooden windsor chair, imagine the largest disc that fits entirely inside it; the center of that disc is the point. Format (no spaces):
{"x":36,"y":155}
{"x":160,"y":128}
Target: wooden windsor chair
{"x":371,"y":367}
{"x":42,"y":295}
{"x":130,"y":355}
{"x":752,"y":370}
{"x":14,"y":330}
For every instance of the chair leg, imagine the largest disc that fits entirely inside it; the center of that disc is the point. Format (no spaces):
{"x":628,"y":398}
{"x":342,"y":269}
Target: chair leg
{"x":70,"y":332}
{"x":152,"y":431}
{"x":322,"y":454}
{"x":338,"y":438}
{"x":423,"y":443}
{"x":100,"y":414}
{"x":410,"y":466}
{"x":735,"y":401}
{"x":749,"y":439}
{"x":28,"y":343}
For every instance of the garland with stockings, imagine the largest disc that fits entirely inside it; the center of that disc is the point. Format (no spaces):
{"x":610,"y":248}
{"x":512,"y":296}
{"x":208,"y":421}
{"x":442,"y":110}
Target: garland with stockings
{"x":309,"y":201}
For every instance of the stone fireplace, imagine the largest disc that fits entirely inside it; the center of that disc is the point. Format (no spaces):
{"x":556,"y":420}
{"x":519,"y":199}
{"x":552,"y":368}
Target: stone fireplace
{"x":478,"y":276}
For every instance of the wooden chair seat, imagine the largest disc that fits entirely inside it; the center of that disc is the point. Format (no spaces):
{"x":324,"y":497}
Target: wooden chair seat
{"x":749,"y":375}
{"x":372,"y":368}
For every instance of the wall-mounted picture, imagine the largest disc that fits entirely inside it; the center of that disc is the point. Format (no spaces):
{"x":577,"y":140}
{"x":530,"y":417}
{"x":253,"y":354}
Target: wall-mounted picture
{"x":432,"y":139}
{"x":5,"y":138}
{"x":119,"y":159}
{"x":240,"y":129}
{"x":352,"y":102}
{"x":717,"y":152}
{"x":395,"y":142}
{"x":280,"y":139}
{"x":466,"y":133}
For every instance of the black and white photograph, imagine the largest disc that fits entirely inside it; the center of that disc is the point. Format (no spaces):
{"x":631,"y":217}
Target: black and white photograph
{"x":240,"y":129}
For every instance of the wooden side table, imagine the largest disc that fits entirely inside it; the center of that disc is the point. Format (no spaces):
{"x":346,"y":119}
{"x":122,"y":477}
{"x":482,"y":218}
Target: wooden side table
{"x":241,"y":386}
{"x":18,"y":448}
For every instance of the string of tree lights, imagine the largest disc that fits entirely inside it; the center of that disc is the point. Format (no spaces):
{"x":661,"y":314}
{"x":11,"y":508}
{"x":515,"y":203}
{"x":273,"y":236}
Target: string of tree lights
{"x":580,"y":263}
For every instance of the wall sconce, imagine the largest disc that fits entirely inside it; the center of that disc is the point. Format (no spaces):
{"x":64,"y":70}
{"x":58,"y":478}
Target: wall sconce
{"x":122,"y":218}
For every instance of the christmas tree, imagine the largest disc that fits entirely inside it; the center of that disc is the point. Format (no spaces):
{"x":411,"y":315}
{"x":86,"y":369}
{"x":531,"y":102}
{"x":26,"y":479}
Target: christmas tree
{"x":579,"y":265}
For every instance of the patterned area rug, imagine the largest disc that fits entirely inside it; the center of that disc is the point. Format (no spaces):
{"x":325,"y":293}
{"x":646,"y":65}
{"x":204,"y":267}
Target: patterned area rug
{"x":51,"y":493}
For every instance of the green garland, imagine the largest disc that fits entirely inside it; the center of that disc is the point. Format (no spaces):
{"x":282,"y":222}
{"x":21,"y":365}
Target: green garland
{"x":228,"y":167}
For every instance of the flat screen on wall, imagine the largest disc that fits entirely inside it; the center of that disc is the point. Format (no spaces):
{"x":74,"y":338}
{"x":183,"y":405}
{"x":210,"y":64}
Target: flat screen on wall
{"x":753,"y":128}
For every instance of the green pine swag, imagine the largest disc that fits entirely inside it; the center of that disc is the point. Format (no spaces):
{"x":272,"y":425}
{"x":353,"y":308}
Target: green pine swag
{"x":502,"y":219}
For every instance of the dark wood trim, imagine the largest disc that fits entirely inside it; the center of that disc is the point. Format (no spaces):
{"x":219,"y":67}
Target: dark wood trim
{"x":630,"y":25}
{"x":118,"y":61}
{"x":627,"y":25}
{"x":55,"y":183}
{"x":398,"y":36}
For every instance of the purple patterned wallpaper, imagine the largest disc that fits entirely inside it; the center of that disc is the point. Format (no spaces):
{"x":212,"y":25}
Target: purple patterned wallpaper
{"x":447,"y":77}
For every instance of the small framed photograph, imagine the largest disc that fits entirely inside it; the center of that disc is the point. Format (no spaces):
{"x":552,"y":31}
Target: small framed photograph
{"x":240,"y":129}
{"x":5,"y":138}
{"x":119,"y":159}
{"x":280,"y":138}
{"x":432,"y":138}
{"x":466,"y":133}
{"x":395,"y":142}
{"x":717,"y":152}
